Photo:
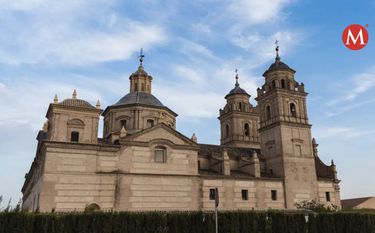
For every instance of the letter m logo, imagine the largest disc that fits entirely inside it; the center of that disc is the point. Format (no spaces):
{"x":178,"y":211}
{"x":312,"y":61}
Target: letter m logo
{"x":351,"y":37}
{"x":355,"y":37}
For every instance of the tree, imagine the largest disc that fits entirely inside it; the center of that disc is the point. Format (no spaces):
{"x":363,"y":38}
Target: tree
{"x":316,"y":206}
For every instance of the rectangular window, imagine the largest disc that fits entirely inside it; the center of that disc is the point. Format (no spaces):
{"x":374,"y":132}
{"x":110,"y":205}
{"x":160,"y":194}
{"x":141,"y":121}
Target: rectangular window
{"x":298,"y":150}
{"x":150,"y":123}
{"x":274,"y":195}
{"x":74,"y":136}
{"x":212,"y":194}
{"x":160,"y":156}
{"x":245,"y":194}
{"x":328,"y":196}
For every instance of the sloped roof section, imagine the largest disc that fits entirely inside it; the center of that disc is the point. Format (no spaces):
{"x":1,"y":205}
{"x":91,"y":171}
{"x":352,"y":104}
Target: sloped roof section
{"x":353,"y":202}
{"x":139,"y":98}
{"x":76,"y":103}
{"x":323,"y":171}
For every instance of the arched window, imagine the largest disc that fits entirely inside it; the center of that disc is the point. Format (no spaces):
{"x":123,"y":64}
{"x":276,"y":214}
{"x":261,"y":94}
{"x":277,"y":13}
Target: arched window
{"x":268,"y":112}
{"x":123,"y":123}
{"x":74,"y":136}
{"x":135,"y":86}
{"x":273,"y":83}
{"x":247,"y":129}
{"x":160,"y":154}
{"x":143,"y":87}
{"x":226,"y":130}
{"x":92,"y":208}
{"x":240,"y":106}
{"x":150,"y":123}
{"x":293,"y":111}
{"x":282,"y":83}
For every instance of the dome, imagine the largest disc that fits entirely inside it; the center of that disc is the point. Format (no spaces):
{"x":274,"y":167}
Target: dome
{"x":139,"y":98}
{"x":76,"y":103}
{"x":237,"y":90}
{"x":278,"y":65}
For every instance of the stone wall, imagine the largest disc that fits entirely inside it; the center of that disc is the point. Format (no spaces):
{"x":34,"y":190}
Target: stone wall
{"x":230,"y":194}
{"x":329,"y":186}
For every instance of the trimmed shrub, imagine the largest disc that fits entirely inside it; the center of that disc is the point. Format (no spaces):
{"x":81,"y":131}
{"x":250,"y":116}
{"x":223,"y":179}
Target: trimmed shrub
{"x":186,"y":222}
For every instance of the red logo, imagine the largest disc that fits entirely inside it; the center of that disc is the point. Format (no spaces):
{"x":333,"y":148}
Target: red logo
{"x":355,"y":37}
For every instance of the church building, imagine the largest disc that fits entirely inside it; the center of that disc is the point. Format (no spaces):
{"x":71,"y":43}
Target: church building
{"x":267,"y":157}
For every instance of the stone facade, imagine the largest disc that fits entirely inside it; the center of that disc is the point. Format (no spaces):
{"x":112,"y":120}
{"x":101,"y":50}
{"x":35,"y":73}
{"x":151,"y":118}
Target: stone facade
{"x":267,"y":157}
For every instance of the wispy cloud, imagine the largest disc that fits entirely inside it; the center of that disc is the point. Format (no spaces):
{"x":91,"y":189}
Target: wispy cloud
{"x":251,"y":12}
{"x":348,"y":107}
{"x":262,"y":45}
{"x":355,"y":86}
{"x":343,"y":132}
{"x":67,"y":37}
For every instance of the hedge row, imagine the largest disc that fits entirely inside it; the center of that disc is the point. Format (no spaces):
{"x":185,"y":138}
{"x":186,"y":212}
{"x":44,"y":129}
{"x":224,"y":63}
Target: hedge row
{"x":186,"y":222}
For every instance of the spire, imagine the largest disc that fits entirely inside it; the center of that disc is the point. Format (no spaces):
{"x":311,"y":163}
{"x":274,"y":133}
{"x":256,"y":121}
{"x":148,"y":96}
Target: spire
{"x":277,"y":51}
{"x":74,"y":96}
{"x":194,"y":138}
{"x":237,"y":84}
{"x":55,"y":99}
{"x":98,"y":104}
{"x":141,"y":57}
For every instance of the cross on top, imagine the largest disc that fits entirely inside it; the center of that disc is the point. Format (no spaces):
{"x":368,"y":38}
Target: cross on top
{"x":277,"y":50}
{"x":141,"y":56}
{"x":236,"y":71}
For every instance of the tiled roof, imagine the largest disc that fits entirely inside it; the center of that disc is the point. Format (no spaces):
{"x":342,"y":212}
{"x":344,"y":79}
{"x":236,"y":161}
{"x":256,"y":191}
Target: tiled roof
{"x":278,"y":65}
{"x":237,"y":90}
{"x":139,"y":98}
{"x":76,"y":103}
{"x":351,"y":203}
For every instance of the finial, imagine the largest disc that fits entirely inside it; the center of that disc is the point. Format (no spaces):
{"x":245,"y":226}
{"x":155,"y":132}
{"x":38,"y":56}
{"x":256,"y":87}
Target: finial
{"x":141,"y":56}
{"x":194,"y":138}
{"x":277,"y":50}
{"x":225,"y":154}
{"x":332,"y":163}
{"x":55,"y":99}
{"x":74,"y":94}
{"x":45,"y":126}
{"x":98,"y":104}
{"x":313,"y":141}
{"x":255,"y":154}
{"x":237,"y":84}
{"x":123,"y":132}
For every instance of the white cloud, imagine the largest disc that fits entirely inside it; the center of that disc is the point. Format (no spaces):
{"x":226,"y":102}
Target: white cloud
{"x":348,"y":107}
{"x":67,"y":37}
{"x":355,"y":86}
{"x":190,"y":103}
{"x":343,"y":132}
{"x":257,"y":12}
{"x":20,"y":5}
{"x":263,"y":45}
{"x":101,"y":47}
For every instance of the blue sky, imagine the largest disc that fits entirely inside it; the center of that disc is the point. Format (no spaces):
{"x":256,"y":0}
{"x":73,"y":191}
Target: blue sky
{"x":192,"y":49}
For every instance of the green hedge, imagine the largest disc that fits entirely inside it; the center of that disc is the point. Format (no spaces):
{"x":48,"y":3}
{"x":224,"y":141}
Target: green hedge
{"x":186,"y":222}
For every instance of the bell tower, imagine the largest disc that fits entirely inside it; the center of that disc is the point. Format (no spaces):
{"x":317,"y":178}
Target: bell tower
{"x":140,"y":81}
{"x":239,"y":120}
{"x":285,"y":132}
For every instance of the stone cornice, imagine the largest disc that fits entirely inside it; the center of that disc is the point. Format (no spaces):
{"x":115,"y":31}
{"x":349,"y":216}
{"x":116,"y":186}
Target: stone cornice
{"x":279,"y":123}
{"x":138,"y":105}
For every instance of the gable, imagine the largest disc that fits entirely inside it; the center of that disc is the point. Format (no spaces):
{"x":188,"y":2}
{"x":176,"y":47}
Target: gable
{"x":161,"y":132}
